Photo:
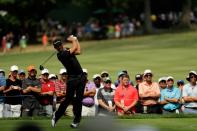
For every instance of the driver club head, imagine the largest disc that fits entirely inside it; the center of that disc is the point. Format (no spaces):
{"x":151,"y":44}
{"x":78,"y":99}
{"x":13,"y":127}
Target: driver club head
{"x":41,"y":67}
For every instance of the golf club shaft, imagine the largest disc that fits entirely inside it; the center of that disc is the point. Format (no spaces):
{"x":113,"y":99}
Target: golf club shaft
{"x":49,"y":58}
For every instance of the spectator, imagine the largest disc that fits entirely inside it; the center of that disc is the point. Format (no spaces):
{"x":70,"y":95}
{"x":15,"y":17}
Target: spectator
{"x":170,"y":97}
{"x":118,"y":81}
{"x":31,"y":88}
{"x":138,"y":80}
{"x":21,"y":74}
{"x":149,"y":93}
{"x":180,"y":84}
{"x":44,"y":40}
{"x":3,"y":44}
{"x":23,"y":43}
{"x":97,"y":82}
{"x":126,"y":97}
{"x":105,"y":98}
{"x":47,"y":93}
{"x":162,"y":83}
{"x":2,"y":87}
{"x":13,"y":100}
{"x":105,"y":74}
{"x":190,"y":94}
{"x":88,"y":107}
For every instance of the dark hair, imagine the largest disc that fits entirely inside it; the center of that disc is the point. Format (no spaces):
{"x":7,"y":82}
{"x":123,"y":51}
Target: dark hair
{"x":57,"y":42}
{"x":125,"y":75}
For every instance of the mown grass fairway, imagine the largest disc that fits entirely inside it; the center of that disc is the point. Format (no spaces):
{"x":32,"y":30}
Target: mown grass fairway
{"x":167,"y":54}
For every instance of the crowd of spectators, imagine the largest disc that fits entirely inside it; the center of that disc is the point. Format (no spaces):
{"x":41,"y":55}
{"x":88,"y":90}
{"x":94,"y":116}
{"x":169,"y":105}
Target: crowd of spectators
{"x":24,"y":94}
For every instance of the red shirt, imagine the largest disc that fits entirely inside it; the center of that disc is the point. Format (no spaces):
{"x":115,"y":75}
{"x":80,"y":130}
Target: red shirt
{"x":47,"y":87}
{"x":125,"y":96}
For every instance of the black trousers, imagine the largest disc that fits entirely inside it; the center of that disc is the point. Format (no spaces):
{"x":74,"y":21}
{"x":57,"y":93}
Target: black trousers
{"x":74,"y":85}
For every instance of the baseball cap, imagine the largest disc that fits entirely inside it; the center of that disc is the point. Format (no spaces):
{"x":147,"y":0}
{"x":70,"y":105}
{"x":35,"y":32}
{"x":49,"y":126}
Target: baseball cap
{"x":104,"y":72}
{"x":147,"y":71}
{"x":52,"y":76}
{"x":31,"y":67}
{"x":63,"y":70}
{"x":107,"y":79}
{"x":138,"y":76}
{"x":85,"y":71}
{"x":162,"y":79}
{"x":170,"y":77}
{"x":180,"y":82}
{"x":21,"y":71}
{"x":121,"y":73}
{"x":96,"y":76}
{"x":193,"y":72}
{"x":57,"y":42}
{"x":14,"y":68}
{"x":1,"y":70}
{"x":45,"y":71}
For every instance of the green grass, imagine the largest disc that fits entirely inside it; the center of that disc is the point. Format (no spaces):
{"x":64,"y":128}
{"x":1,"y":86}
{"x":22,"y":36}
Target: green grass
{"x":158,"y":123}
{"x":166,"y":54}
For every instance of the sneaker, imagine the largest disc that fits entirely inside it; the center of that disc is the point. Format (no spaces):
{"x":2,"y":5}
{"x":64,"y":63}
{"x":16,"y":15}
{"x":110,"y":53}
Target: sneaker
{"x":74,"y":125}
{"x":53,"y":122}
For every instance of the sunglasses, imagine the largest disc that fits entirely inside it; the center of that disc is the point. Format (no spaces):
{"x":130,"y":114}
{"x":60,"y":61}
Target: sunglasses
{"x":98,"y":78}
{"x":104,"y":75}
{"x":148,"y":75}
{"x":192,"y":77}
{"x":108,"y":82}
{"x":170,"y":80}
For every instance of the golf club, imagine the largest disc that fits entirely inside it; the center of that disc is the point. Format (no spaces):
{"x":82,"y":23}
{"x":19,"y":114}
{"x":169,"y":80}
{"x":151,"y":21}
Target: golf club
{"x":41,"y":66}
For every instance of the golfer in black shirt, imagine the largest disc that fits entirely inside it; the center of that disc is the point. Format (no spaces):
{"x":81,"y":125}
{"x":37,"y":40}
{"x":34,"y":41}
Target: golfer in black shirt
{"x":76,"y":80}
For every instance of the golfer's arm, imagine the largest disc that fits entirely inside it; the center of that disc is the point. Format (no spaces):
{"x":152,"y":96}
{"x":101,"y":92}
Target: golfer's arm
{"x":75,"y":49}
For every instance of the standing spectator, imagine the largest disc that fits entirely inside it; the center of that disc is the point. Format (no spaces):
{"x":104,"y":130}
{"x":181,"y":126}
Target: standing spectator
{"x":117,"y":30}
{"x":149,"y":93}
{"x":105,"y":98}
{"x":88,"y":107}
{"x":13,"y":100}
{"x":2,"y":87}
{"x":190,"y":94}
{"x":21,"y":74}
{"x":23,"y":43}
{"x":138,"y":80}
{"x":3,"y":44}
{"x":9,"y":40}
{"x":126,"y":97}
{"x":162,"y":83}
{"x":44,"y":40}
{"x":97,"y":82}
{"x":170,"y":97}
{"x":31,"y":88}
{"x":47,"y":93}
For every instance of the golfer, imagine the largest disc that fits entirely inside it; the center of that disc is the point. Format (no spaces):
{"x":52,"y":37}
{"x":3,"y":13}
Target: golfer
{"x":76,"y":80}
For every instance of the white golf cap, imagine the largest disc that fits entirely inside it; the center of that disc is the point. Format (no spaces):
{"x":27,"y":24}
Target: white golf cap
{"x":85,"y":71}
{"x":162,"y":79}
{"x":63,"y":70}
{"x":96,"y":76}
{"x":1,"y":70}
{"x":193,"y":72}
{"x":45,"y":71}
{"x":170,"y":77}
{"x":104,"y":72}
{"x":147,"y":71}
{"x":52,"y":75}
{"x":14,"y":68}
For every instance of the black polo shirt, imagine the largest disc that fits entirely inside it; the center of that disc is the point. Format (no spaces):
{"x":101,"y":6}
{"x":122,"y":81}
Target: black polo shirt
{"x":13,"y":96}
{"x":70,"y":62}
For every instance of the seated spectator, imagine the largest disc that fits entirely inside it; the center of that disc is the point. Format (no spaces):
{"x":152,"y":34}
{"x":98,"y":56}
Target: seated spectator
{"x":13,"y":99}
{"x":31,"y":89}
{"x":190,"y":94}
{"x":170,"y":97}
{"x":105,"y":98}
{"x":138,"y":80}
{"x":180,"y":84}
{"x":47,"y":93}
{"x":126,"y":97}
{"x":162,"y":83}
{"x":149,"y":93}
{"x":2,"y":87}
{"x":88,"y":107}
{"x":21,"y":74}
{"x":120,"y":74}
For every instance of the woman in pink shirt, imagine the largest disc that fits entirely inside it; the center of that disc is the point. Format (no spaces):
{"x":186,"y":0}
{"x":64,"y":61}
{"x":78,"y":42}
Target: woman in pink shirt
{"x":126,"y":97}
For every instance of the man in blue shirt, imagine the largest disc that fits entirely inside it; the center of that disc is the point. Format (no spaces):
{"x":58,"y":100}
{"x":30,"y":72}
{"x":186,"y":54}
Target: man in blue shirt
{"x":2,"y":86}
{"x":170,"y":97}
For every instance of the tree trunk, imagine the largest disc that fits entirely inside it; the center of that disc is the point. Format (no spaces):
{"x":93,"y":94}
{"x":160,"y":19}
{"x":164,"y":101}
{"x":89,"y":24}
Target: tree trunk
{"x":147,"y":17}
{"x":185,"y":17}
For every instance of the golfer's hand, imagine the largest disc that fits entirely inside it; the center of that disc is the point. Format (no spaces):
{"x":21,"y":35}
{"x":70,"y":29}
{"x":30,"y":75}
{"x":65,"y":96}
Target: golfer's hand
{"x":72,"y":38}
